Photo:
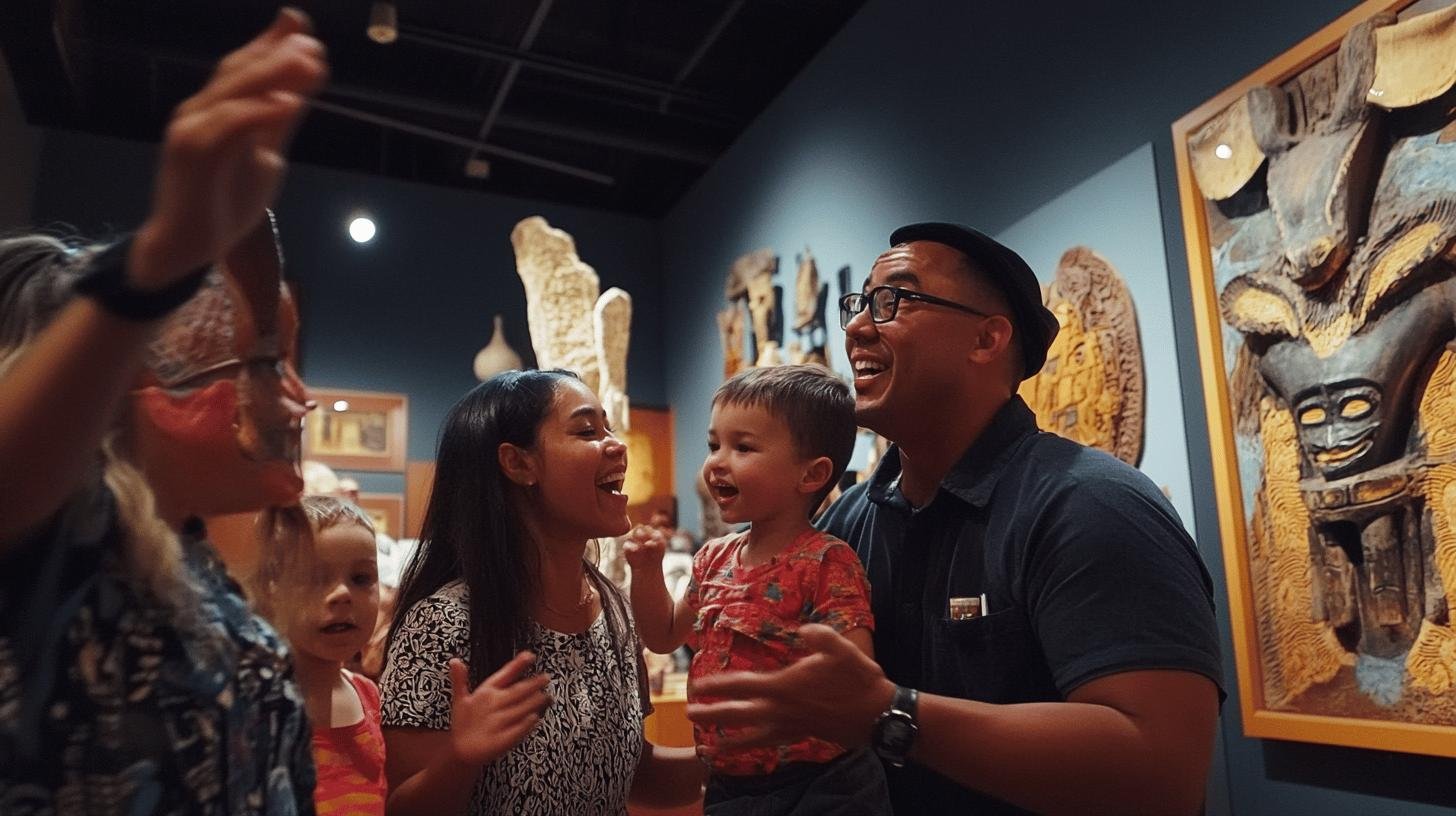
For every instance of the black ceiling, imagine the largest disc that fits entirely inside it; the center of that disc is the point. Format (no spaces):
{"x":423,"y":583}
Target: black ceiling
{"x":614,"y":104}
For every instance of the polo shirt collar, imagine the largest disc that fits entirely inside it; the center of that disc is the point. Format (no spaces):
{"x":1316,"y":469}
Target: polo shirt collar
{"x":974,"y":476}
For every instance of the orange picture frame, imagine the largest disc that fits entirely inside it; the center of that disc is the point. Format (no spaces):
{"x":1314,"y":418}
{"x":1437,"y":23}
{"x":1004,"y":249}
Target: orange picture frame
{"x":387,"y":511}
{"x":357,"y":430}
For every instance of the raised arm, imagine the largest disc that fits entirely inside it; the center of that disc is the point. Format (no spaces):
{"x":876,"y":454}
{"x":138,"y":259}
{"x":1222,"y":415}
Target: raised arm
{"x":662,"y":624}
{"x":221,"y":165}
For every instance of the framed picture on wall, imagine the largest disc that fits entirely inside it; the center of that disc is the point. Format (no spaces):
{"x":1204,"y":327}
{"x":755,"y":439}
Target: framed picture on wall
{"x":387,"y":511}
{"x":1319,"y":207}
{"x":357,"y":430}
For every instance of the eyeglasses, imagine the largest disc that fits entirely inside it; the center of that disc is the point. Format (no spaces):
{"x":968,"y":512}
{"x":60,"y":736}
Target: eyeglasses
{"x":267,"y":365}
{"x":884,"y":301}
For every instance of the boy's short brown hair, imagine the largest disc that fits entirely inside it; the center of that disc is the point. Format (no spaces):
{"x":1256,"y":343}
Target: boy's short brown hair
{"x":812,"y":401}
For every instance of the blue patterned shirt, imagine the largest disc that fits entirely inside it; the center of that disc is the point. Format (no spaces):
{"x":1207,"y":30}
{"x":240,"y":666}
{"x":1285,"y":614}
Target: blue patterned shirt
{"x":112,"y":702}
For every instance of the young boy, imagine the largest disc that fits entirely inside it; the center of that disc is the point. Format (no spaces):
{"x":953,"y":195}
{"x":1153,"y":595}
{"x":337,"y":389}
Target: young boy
{"x":778,"y":440}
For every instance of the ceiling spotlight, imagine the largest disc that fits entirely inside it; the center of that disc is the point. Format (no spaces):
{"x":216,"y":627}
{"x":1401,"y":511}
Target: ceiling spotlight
{"x":361,"y":229}
{"x":1223,"y":151}
{"x":341,"y":405}
{"x":383,"y":23}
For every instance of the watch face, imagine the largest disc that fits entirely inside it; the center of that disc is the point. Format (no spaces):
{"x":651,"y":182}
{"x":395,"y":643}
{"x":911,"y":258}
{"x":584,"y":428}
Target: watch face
{"x":893,"y":736}
{"x":897,"y":734}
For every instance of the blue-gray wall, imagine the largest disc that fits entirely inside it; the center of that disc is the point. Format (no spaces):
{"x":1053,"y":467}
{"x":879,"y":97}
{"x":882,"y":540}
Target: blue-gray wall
{"x":980,"y":113}
{"x":406,"y":312}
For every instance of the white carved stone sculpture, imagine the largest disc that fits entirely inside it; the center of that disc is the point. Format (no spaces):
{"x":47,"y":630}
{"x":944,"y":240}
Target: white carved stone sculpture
{"x":571,"y":327}
{"x":612,"y":319}
{"x":561,"y":292}
{"x":497,"y":356}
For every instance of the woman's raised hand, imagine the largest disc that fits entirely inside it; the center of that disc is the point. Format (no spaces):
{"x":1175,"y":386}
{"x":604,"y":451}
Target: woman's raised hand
{"x":222,"y":157}
{"x":489,"y":721}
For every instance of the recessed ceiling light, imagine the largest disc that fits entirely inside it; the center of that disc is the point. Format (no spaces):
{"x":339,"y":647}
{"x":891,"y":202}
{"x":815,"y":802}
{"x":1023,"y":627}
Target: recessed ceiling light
{"x":341,"y":405}
{"x":1223,"y":151}
{"x":361,"y":229}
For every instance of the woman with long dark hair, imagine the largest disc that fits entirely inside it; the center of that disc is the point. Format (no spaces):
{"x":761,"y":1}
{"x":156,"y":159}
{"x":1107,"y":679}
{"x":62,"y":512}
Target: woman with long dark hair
{"x":528,"y":472}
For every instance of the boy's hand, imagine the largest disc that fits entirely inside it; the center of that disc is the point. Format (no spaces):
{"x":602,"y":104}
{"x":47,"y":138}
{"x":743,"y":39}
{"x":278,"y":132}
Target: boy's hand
{"x":489,"y":721}
{"x":222,"y":155}
{"x":644,"y":548}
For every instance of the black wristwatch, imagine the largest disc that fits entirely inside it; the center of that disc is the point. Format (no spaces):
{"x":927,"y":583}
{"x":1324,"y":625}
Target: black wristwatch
{"x":105,"y":282}
{"x":895,"y":729}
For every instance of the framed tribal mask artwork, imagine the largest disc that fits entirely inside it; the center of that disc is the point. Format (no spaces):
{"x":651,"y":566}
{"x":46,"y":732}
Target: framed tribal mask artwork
{"x":1319,"y":206}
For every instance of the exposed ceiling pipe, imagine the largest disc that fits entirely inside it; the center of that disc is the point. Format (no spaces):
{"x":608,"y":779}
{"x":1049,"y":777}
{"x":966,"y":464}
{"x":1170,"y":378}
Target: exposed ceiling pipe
{"x":513,"y":68}
{"x":465,"y":113}
{"x":461,"y":141}
{"x":702,"y":157}
{"x":712,"y":37}
{"x":560,"y":67}
{"x":688,"y":154}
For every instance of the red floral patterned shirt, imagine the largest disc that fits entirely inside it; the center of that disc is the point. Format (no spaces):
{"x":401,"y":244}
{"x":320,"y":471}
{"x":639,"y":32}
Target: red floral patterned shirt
{"x":748,"y":619}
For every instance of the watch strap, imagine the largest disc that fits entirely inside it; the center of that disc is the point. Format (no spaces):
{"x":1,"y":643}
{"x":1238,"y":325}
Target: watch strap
{"x":906,"y":700}
{"x":105,"y":282}
{"x":895,"y":730}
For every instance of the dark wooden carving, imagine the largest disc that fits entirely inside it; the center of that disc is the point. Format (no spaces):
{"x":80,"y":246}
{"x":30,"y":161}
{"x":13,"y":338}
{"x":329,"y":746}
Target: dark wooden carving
{"x":1331,"y":206}
{"x":810,"y":299}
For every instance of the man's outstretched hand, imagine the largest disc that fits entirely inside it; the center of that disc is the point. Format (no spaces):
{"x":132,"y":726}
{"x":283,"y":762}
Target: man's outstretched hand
{"x":835,"y":692}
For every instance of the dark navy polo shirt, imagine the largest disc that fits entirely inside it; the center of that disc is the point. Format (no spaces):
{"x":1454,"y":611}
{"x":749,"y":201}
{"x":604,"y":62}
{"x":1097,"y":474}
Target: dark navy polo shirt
{"x":1084,"y":565}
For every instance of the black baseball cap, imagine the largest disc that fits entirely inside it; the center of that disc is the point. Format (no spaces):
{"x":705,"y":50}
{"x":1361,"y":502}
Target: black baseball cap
{"x":1033,"y":320}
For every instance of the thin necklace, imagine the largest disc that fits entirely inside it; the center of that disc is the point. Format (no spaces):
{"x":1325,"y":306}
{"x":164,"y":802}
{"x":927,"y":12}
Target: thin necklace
{"x":587,"y":593}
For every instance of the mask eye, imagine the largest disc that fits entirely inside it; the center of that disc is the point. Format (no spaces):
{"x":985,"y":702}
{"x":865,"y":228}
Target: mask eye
{"x":1356,"y":407}
{"x":1312,"y":416}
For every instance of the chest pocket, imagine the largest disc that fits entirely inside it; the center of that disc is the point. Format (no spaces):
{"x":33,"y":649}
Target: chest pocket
{"x":994,"y":659}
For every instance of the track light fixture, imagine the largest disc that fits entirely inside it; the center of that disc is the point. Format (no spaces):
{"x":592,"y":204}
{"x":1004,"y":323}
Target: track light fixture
{"x":383,"y":23}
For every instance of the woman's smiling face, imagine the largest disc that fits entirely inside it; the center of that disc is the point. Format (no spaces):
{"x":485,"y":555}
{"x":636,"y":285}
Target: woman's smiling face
{"x":580,"y":467}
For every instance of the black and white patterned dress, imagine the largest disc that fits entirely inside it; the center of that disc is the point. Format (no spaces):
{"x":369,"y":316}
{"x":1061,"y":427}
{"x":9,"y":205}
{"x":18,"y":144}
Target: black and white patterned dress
{"x":579,"y":759}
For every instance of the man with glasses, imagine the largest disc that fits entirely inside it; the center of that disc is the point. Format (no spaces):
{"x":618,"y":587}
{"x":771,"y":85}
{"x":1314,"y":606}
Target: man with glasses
{"x":1044,"y":625}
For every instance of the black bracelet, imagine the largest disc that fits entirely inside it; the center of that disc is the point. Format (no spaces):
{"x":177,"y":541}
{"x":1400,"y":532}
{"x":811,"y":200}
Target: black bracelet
{"x":105,"y":282}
